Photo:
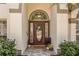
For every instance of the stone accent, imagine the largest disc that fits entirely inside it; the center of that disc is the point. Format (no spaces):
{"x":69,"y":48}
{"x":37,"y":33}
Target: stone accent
{"x":77,"y":38}
{"x":18,"y":52}
{"x":72,"y":20}
{"x":61,"y":10}
{"x":78,"y":15}
{"x":16,"y":10}
{"x":3,"y":19}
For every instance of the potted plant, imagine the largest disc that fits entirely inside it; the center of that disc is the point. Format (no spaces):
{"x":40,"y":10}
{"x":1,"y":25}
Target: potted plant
{"x":50,"y":47}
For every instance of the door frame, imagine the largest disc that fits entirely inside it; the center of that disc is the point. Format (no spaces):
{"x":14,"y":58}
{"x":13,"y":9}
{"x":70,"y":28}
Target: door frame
{"x":29,"y":29}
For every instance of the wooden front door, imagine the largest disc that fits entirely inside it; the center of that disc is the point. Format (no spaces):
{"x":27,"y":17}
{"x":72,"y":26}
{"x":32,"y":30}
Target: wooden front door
{"x":38,"y":32}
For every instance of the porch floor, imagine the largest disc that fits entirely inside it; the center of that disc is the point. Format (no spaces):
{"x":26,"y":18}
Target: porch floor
{"x":38,"y":52}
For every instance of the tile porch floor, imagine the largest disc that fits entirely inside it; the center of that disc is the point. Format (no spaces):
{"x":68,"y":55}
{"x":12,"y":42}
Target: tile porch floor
{"x":38,"y":52}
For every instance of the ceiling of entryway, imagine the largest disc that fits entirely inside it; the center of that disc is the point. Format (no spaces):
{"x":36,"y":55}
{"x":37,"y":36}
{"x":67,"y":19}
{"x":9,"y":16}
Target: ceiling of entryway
{"x":30,"y":7}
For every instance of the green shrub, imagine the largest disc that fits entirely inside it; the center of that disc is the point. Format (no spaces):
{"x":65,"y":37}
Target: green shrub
{"x":69,"y":48}
{"x":7,"y":47}
{"x":77,"y":49}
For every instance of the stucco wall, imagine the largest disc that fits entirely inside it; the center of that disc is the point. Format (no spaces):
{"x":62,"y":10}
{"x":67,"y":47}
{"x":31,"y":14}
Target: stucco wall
{"x":63,"y":6}
{"x":41,"y":6}
{"x":16,"y":29}
{"x":4,"y":10}
{"x":24,"y":27}
{"x":53,"y":27}
{"x":62,"y":25}
{"x":13,"y":5}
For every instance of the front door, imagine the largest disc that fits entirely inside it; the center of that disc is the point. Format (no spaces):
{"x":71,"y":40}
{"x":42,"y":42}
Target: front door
{"x":38,"y":31}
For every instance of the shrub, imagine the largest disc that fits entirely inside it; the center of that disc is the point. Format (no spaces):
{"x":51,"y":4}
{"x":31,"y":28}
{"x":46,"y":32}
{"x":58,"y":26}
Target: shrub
{"x":7,"y":47}
{"x":69,"y":48}
{"x":77,"y":49}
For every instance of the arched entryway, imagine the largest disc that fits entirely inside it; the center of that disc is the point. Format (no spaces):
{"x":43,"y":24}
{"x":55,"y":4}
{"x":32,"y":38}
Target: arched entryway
{"x":38,"y":27}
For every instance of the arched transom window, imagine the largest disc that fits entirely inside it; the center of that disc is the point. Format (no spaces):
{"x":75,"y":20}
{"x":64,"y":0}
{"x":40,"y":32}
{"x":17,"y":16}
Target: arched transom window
{"x":39,"y":15}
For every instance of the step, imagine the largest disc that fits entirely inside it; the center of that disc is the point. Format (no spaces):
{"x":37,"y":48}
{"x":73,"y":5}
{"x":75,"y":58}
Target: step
{"x":37,"y":46}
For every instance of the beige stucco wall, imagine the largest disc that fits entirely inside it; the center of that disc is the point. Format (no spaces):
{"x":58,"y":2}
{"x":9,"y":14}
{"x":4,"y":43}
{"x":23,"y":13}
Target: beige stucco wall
{"x":38,"y":6}
{"x":62,"y":25}
{"x":4,"y":10}
{"x":13,"y":5}
{"x":53,"y":27}
{"x":24,"y":28}
{"x":16,"y":29}
{"x":63,"y":6}
{"x":62,"y":28}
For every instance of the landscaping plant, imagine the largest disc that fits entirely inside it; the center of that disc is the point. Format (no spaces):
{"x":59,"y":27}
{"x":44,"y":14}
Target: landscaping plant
{"x":7,"y":47}
{"x":69,"y":48}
